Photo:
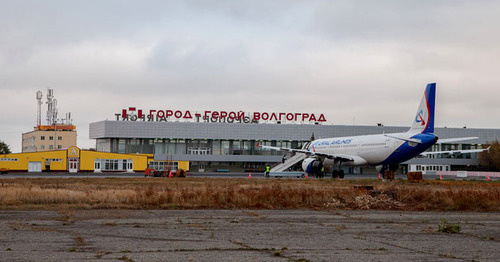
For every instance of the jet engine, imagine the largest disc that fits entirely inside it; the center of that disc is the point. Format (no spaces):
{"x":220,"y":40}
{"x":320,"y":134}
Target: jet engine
{"x":312,"y":165}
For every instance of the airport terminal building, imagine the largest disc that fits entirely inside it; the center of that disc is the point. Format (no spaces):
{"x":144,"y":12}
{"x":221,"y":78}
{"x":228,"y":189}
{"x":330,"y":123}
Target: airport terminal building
{"x":232,"y":146}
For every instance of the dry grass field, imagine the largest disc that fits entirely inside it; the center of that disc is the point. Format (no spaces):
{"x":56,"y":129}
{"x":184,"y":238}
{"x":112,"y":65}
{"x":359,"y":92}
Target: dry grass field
{"x":210,"y":193}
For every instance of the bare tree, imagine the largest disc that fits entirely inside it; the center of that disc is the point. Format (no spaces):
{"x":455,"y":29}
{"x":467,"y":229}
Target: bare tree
{"x":490,"y":160}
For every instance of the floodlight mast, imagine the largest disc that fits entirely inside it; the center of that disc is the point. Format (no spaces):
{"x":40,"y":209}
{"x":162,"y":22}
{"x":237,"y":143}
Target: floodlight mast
{"x":39,"y":96}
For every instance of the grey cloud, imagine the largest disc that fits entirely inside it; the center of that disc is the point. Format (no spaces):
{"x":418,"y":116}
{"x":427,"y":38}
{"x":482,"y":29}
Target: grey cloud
{"x":407,"y":21}
{"x":366,"y":60}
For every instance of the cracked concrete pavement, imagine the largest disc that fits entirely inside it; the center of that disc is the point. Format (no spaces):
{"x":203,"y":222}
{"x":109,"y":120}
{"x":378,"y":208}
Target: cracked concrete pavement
{"x":246,"y":235}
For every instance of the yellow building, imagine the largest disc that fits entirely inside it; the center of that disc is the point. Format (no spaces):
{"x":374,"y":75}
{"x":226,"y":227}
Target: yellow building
{"x":48,"y":138}
{"x":75,"y":160}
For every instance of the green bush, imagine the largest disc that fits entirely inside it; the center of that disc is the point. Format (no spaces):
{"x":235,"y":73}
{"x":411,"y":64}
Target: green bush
{"x":451,"y":228}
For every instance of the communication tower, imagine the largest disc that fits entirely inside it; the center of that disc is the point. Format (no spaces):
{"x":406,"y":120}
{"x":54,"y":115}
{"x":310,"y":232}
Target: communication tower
{"x":52,"y":121}
{"x":51,"y":107}
{"x":60,"y":133}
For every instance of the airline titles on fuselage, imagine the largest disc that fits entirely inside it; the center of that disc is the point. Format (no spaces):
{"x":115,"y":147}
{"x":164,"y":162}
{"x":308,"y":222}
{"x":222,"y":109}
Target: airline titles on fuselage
{"x":330,"y":142}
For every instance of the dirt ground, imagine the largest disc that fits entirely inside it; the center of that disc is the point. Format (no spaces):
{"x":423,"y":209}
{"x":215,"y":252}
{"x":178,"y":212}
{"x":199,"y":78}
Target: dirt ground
{"x":247,"y":235}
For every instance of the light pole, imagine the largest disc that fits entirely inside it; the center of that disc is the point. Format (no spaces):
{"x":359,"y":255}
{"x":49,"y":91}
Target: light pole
{"x":55,"y":134}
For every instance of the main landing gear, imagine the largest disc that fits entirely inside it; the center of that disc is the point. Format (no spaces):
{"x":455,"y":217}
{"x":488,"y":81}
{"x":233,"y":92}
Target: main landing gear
{"x":338,"y":173}
{"x":390,"y":169}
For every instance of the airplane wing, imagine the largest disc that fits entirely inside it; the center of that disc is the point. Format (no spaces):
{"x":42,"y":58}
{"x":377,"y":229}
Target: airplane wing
{"x":342,"y":157}
{"x":285,"y":149}
{"x":440,"y":141}
{"x":411,"y":140}
{"x":455,"y":151}
{"x":450,"y":140}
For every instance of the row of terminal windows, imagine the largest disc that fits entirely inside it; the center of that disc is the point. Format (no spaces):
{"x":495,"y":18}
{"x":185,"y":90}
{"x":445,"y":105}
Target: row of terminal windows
{"x":8,"y":159}
{"x":163,"y":165}
{"x":50,"y":147}
{"x":46,"y":160}
{"x":53,"y":160}
{"x":193,"y":146}
{"x":113,"y":164}
{"x":432,"y":168}
{"x":234,"y":147}
{"x":51,"y":138}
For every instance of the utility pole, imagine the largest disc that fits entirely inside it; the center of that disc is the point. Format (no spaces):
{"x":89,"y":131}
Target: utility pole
{"x":55,"y":134}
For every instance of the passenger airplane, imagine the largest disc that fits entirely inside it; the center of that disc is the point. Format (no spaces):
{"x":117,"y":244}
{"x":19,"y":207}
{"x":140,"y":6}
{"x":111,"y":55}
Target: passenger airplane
{"x":384,"y":151}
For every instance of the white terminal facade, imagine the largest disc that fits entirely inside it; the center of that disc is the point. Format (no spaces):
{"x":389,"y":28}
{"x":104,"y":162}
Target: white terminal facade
{"x":220,"y":144}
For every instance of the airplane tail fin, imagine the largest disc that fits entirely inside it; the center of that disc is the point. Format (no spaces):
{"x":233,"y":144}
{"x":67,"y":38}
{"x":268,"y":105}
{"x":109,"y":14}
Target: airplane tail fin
{"x":424,"y":120}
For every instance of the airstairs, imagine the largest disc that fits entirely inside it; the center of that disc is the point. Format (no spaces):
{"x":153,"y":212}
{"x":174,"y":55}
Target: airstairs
{"x":281,"y":168}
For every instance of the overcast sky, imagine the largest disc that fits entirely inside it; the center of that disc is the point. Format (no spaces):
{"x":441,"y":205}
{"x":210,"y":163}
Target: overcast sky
{"x":362,"y":62}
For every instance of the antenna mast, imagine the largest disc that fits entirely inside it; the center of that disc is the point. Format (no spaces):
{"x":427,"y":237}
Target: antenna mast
{"x":51,"y":107}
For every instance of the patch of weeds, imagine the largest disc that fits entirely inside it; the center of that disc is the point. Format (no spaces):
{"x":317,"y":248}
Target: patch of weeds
{"x":303,"y":260}
{"x":67,"y":216}
{"x":487,"y":237}
{"x":277,"y":253}
{"x":79,"y":240}
{"x":101,"y":254}
{"x":8,"y":249}
{"x":124,"y":258}
{"x":447,"y":256}
{"x":382,"y":249}
{"x":251,"y":213}
{"x":72,"y":249}
{"x":451,"y":228}
{"x":184,"y":250}
{"x":125,"y":251}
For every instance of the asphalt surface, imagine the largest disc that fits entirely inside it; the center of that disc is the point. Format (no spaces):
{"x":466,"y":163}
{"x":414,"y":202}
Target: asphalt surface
{"x":246,"y":235}
{"x":213,"y":175}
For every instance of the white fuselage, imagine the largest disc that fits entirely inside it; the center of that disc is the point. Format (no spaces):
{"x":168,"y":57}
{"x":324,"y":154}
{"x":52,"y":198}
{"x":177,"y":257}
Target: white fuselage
{"x":367,"y":150}
{"x":384,"y":150}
